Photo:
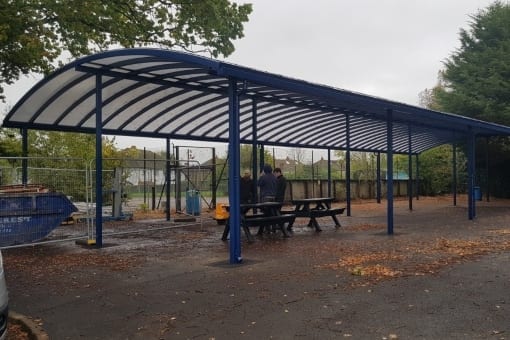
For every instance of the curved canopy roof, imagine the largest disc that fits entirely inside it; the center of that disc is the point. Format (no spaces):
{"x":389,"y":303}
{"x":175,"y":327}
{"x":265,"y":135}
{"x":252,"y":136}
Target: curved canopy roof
{"x":168,"y":94}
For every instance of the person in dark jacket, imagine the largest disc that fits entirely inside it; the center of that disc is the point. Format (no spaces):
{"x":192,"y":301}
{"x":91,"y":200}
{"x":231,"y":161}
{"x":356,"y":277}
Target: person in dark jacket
{"x":267,"y":184}
{"x":281,"y":185}
{"x":246,"y":187}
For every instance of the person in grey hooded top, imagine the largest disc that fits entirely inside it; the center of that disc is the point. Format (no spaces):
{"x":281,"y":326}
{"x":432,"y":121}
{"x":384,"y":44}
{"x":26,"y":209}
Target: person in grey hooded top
{"x":267,"y":184}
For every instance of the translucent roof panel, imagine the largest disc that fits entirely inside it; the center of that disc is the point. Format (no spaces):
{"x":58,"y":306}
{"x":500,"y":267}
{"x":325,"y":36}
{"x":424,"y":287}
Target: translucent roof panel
{"x":168,"y":94}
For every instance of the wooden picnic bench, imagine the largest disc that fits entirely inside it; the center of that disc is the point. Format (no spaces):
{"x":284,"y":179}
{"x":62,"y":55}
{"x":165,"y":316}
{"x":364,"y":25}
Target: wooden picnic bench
{"x":269,"y":218}
{"x":314,"y":208}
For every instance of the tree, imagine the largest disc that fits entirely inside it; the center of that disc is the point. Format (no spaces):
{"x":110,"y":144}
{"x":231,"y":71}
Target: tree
{"x":476,"y":78}
{"x":247,"y":159}
{"x":436,"y":171}
{"x":475,"y":82}
{"x":58,"y":160}
{"x":362,"y":164}
{"x":298,"y":156}
{"x":34,"y":34}
{"x":9,"y":143}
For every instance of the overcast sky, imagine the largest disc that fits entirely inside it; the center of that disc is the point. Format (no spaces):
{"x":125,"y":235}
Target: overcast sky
{"x":386,"y":48}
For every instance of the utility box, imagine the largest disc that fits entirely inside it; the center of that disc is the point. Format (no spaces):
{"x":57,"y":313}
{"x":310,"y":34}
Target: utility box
{"x":193,"y":202}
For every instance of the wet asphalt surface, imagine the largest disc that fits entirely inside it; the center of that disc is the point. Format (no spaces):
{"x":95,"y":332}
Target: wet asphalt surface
{"x":178,"y":284}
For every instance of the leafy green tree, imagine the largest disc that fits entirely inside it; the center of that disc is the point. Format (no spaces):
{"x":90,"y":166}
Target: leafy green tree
{"x":436,"y":171}
{"x":9,"y":143}
{"x":35,"y":33}
{"x":362,"y":165}
{"x":58,"y":160}
{"x":246,"y":163}
{"x":247,"y":160}
{"x":246,"y":157}
{"x":475,"y":82}
{"x":10,"y":148}
{"x":476,"y":78}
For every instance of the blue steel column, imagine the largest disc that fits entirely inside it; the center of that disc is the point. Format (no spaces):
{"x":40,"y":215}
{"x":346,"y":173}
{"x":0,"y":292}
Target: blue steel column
{"x":261,"y":160}
{"x":99,"y":161}
{"x":487,"y":178}
{"x":329,"y":172}
{"x":178,"y":179}
{"x":214,"y":183}
{"x":24,"y":153}
{"x":410,"y":169}
{"x":234,"y":173}
{"x":378,"y":177}
{"x":348,"y":164}
{"x":168,"y":179}
{"x":389,"y":160}
{"x":454,"y":174}
{"x":471,"y":176}
{"x":254,"y":170}
{"x":417,"y":177}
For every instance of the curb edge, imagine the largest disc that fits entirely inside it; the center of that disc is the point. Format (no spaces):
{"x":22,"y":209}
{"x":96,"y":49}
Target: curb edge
{"x":35,"y":331}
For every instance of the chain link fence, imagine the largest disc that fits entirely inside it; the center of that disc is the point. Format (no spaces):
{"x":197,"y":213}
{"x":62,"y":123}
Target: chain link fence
{"x":134,"y":195}
{"x":141,"y":194}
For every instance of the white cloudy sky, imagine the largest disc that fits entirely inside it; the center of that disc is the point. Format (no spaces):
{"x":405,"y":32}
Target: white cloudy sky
{"x":387,"y":48}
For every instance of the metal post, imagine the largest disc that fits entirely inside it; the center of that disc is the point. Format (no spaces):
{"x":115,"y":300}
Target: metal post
{"x":471,"y":176}
{"x":144,"y":175}
{"x":24,"y":153}
{"x":178,"y":178}
{"x":99,"y":161}
{"x":313,"y":179}
{"x":410,"y":169}
{"x":168,"y":179}
{"x":274,"y":159}
{"x":254,"y":171}
{"x":261,"y":158}
{"x":329,"y":172}
{"x":454,"y":174}
{"x":153,"y":188}
{"x":378,"y":162}
{"x":348,"y":164}
{"x":389,"y":161}
{"x":117,"y":193}
{"x":417,"y":177}
{"x":213,"y":178}
{"x":487,"y":178}
{"x":234,"y":173}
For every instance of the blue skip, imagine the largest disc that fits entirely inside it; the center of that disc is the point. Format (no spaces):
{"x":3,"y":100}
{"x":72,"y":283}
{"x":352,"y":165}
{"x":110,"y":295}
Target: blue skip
{"x":31,"y":216}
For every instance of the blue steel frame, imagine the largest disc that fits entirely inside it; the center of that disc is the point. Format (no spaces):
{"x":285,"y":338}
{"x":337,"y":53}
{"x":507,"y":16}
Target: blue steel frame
{"x":99,"y":161}
{"x":168,"y":179}
{"x":417,"y":177}
{"x":410,"y":170}
{"x":24,"y":153}
{"x":389,"y":167}
{"x":471,"y":176}
{"x":233,"y":173}
{"x":316,"y":116}
{"x":348,"y":163}
{"x":378,"y":166}
{"x":454,"y":174}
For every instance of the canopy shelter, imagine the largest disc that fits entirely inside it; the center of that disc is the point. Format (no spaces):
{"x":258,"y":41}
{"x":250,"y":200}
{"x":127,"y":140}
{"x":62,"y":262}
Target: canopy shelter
{"x":174,"y":95}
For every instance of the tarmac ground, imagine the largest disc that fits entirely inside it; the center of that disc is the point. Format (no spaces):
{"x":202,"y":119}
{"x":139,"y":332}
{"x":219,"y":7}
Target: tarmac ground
{"x":439,"y":276}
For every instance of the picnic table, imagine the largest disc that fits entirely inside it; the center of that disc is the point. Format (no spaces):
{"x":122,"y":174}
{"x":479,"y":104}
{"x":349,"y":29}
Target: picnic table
{"x":268,"y":218}
{"x":315,"y":207}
